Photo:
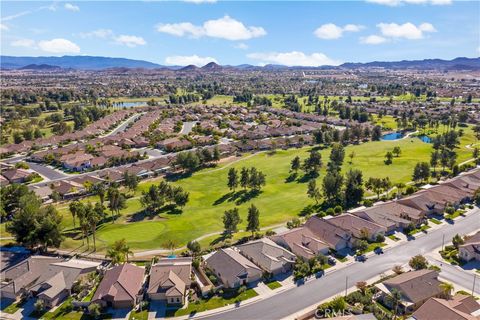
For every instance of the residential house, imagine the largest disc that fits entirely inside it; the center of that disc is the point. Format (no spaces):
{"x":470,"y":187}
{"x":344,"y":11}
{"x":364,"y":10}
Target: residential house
{"x":415,"y":288}
{"x":302,"y":242}
{"x":18,"y":280}
{"x":16,"y":175}
{"x":4,"y":181}
{"x":170,"y":280}
{"x":120,"y":287}
{"x":470,"y":250}
{"x":268,"y":255}
{"x":232,"y":268}
{"x":335,"y":237}
{"x":60,"y":278}
{"x":460,"y":307}
{"x":67,"y":189}
{"x":43,"y":193}
{"x":359,"y":227}
{"x":48,"y":278}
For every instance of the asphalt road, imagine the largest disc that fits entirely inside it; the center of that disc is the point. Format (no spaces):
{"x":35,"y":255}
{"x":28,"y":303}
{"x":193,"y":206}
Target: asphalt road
{"x":187,"y":127}
{"x":458,"y":276}
{"x":124,"y":125}
{"x":296,"y":299}
{"x":47,"y":172}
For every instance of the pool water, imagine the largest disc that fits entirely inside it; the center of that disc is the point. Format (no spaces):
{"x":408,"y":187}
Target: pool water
{"x":425,"y":139}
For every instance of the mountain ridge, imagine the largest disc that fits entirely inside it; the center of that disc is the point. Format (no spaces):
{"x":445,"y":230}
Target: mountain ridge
{"x":103,"y":63}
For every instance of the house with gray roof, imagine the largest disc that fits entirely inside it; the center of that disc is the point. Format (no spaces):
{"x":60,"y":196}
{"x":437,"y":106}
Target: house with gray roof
{"x":268,"y":255}
{"x":232,"y":268}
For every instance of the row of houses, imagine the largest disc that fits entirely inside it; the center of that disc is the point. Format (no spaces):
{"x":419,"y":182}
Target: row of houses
{"x":92,"y":130}
{"x":51,"y":279}
{"x":422,"y":296}
{"x":247,"y":262}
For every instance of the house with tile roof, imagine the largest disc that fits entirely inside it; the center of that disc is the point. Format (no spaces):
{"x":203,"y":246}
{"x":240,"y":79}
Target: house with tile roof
{"x":460,"y":307}
{"x":170,"y":279}
{"x":120,"y":287}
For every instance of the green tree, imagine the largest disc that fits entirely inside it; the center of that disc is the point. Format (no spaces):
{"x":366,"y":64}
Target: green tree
{"x":418,"y":262}
{"x":353,"y":188}
{"x":397,"y":151}
{"x":35,"y":225}
{"x":312,"y":164}
{"x":253,"y":221}
{"x":388,"y":158}
{"x":295,"y":165}
{"x":194,"y":247}
{"x":421,"y":172}
{"x":313,"y":192}
{"x":244,"y":178}
{"x":116,"y":201}
{"x":119,"y":252}
{"x":99,"y":190}
{"x":232,"y":179}
{"x":332,"y":186}
{"x":231,"y":219}
{"x":337,"y":154}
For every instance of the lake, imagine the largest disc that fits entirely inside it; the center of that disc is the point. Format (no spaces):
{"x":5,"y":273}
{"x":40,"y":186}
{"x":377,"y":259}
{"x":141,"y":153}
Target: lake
{"x":392,"y":136}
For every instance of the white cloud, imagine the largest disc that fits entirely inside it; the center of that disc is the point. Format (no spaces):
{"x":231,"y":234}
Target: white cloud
{"x":223,"y":28}
{"x":3,"y":27}
{"x":99,"y":33}
{"x":331,"y":31}
{"x":130,"y":41}
{"x":188,"y":60}
{"x":241,"y":45}
{"x":372,"y":39}
{"x":395,"y":3}
{"x":407,"y":30}
{"x":293,"y":58}
{"x":26,"y":43}
{"x":58,"y":46}
{"x":200,"y":1}
{"x":181,"y":29}
{"x":71,"y":7}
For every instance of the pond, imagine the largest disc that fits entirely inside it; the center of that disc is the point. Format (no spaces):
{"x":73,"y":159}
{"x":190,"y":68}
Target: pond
{"x":425,"y":138}
{"x":392,"y":136}
{"x":131,"y":104}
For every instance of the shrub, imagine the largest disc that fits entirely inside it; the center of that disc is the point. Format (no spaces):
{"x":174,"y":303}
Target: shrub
{"x":410,"y":190}
{"x":380,"y":238}
{"x":330,"y":212}
{"x":338,"y":209}
{"x":367,"y":203}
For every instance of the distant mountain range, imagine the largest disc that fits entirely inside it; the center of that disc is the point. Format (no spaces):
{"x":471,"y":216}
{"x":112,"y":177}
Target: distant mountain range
{"x":101,"y":63}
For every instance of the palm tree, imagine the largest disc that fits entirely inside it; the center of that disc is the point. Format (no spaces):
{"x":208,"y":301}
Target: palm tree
{"x":396,"y":296}
{"x":170,"y":244}
{"x":119,"y":252}
{"x":447,"y":289}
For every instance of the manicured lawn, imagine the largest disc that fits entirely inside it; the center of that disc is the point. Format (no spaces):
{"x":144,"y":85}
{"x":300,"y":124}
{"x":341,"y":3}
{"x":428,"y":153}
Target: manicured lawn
{"x":274,"y":285}
{"x":454,"y":215}
{"x":212,"y":303}
{"x":423,"y":228}
{"x":12,"y":308}
{"x":373,"y":245}
{"x":278,"y":202}
{"x":393,"y":237}
{"x":139,"y":315}
{"x":435,"y":221}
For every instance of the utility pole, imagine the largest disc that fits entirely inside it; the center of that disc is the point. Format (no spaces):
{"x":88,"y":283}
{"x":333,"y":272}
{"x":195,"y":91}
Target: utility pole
{"x":473,"y":287}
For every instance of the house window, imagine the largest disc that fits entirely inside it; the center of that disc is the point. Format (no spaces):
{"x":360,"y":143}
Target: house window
{"x":178,"y":300}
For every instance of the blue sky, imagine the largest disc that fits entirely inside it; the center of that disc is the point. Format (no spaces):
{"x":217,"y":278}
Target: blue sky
{"x":228,"y":32}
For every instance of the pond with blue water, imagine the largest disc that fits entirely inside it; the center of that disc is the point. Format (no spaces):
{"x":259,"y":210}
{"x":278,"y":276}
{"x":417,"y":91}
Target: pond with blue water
{"x":399,"y":135}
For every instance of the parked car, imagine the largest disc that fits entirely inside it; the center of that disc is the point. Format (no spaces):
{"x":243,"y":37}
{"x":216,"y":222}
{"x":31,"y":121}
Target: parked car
{"x":361,"y":258}
{"x":332,"y":261}
{"x":378,"y":250}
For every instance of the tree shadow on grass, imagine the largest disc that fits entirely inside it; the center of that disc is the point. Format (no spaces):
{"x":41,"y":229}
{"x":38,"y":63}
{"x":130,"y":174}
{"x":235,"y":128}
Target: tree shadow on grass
{"x":172,"y":177}
{"x":291,"y":178}
{"x":239,"y":197}
{"x":224,"y":236}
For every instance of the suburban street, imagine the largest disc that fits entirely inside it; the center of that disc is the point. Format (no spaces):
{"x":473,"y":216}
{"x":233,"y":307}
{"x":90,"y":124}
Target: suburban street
{"x":187,"y":127}
{"x":49,"y":173}
{"x":298,"y":298}
{"x":124,"y":125}
{"x":457,"y":275}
